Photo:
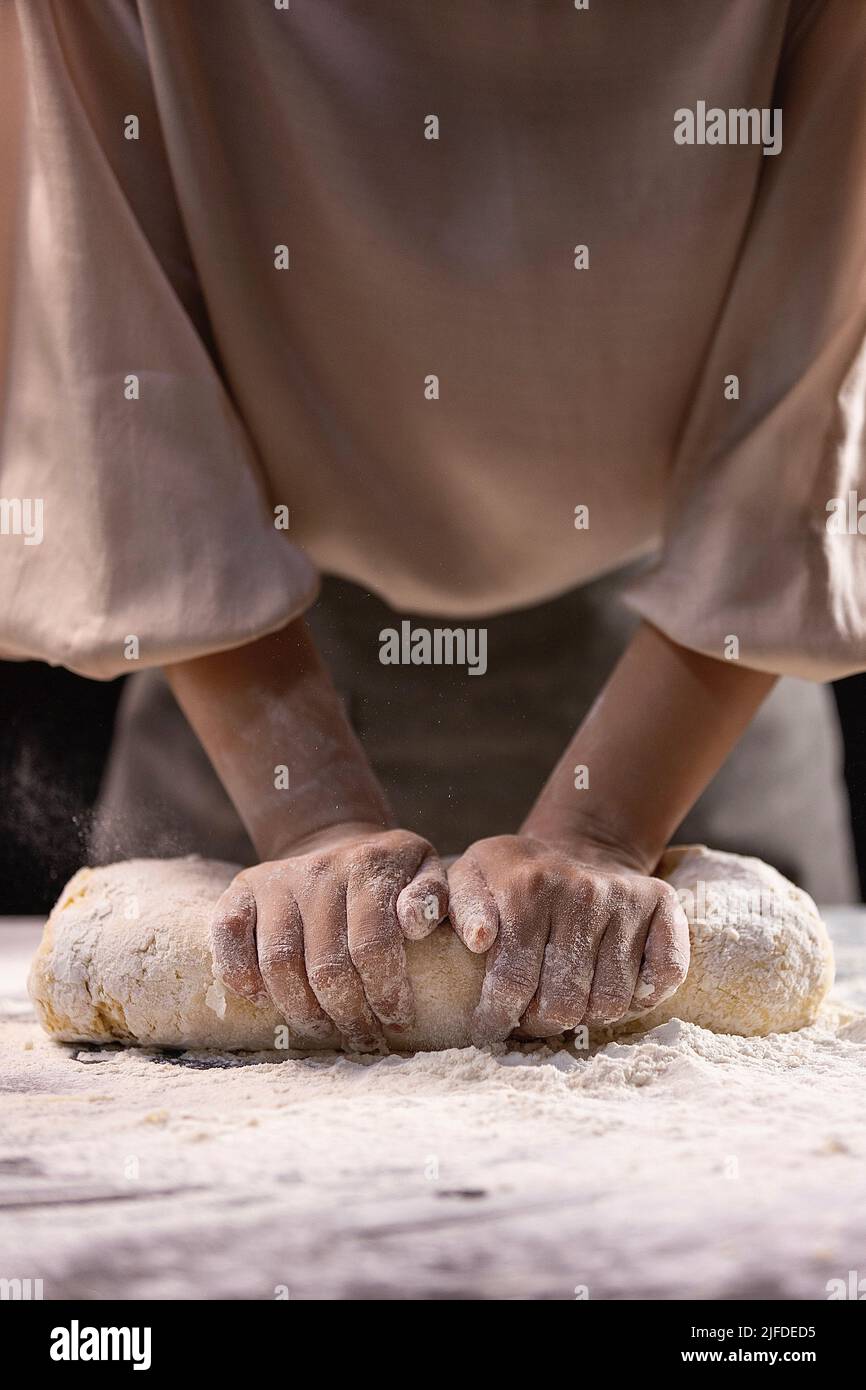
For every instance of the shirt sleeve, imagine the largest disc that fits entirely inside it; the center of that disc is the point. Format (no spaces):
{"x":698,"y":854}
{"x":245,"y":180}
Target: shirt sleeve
{"x":762,"y":542}
{"x":135,"y":525}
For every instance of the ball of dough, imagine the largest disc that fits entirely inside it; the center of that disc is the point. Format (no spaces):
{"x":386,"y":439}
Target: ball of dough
{"x":125,"y":957}
{"x":761,"y":960}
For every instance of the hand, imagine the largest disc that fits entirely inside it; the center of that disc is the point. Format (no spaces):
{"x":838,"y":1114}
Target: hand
{"x":320,"y":932}
{"x":575,"y":935}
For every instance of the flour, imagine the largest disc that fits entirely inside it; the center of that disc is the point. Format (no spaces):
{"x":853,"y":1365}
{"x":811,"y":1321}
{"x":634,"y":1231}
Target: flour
{"x":676,"y":1163}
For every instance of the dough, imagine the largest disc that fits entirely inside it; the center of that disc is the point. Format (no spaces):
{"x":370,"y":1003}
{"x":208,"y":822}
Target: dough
{"x":125,"y":957}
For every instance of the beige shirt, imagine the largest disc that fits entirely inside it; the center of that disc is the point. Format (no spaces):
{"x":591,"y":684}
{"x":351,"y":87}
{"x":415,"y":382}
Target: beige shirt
{"x":438,"y":380}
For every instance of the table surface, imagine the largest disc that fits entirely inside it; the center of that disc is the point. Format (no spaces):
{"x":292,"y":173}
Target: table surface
{"x":128,"y":1173}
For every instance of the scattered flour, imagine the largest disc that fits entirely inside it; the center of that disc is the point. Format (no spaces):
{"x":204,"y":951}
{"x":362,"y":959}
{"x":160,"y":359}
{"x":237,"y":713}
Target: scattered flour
{"x":673,"y":1164}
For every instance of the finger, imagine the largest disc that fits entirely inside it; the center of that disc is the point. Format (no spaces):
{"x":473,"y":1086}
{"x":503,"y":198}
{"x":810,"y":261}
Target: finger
{"x":618,"y":960}
{"x":666,"y":953}
{"x":514,"y":964}
{"x":376,"y":949}
{"x":330,"y":970}
{"x":423,"y":903}
{"x":280,"y":945}
{"x":471,"y":905}
{"x":233,"y":942}
{"x":560,"y":1001}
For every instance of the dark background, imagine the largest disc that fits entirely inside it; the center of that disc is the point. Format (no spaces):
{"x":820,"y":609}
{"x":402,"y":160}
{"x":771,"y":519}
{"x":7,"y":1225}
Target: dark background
{"x":56,"y":734}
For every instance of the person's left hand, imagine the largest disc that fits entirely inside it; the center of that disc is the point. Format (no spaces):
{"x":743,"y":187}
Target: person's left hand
{"x":575,"y":935}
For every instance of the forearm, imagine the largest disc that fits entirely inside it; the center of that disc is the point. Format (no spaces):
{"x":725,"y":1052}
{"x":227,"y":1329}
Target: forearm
{"x":271,"y":705}
{"x":660,"y":729}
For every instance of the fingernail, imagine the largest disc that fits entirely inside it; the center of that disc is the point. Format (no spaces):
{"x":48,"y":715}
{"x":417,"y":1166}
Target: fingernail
{"x":605,"y":1015}
{"x":401,"y":1020}
{"x":314,"y":1031}
{"x":475,"y":936}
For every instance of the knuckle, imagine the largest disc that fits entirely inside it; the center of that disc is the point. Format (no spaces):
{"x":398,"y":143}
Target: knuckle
{"x":584,"y":888}
{"x":364,"y":859}
{"x":402,"y":840}
{"x":495,"y":852}
{"x":623,"y":898}
{"x":374,"y":952}
{"x":329,"y":975}
{"x":530,"y":880}
{"x":282,"y":959}
{"x":515,"y":975}
{"x":416,"y":845}
{"x":668,"y":902}
{"x":224,"y":923}
{"x":317,"y":866}
{"x":232,"y":921}
{"x":376,"y":874}
{"x":621,"y":955}
{"x":567,"y":966}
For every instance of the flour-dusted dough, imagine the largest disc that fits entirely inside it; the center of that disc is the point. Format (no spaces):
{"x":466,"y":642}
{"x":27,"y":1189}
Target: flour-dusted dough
{"x":125,"y":957}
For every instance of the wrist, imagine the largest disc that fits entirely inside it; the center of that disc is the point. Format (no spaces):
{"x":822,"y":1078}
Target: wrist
{"x":595,"y":842}
{"x":325,"y":836}
{"x":306,"y":820}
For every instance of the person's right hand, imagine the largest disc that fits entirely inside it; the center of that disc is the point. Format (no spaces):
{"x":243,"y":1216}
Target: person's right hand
{"x":320,"y":932}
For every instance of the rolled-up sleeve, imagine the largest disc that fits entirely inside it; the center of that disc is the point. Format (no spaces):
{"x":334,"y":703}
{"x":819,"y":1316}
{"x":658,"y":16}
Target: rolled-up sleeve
{"x":765,"y":533}
{"x":135,"y":518}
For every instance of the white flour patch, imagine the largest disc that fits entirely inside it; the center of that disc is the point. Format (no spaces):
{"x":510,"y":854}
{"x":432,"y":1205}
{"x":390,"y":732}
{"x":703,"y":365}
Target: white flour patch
{"x":676,"y":1164}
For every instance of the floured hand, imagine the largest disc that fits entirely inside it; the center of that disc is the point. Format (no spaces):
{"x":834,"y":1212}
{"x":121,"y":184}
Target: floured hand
{"x":320,"y":931}
{"x":574,"y":936}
